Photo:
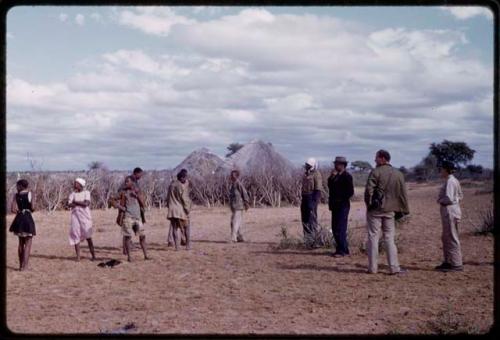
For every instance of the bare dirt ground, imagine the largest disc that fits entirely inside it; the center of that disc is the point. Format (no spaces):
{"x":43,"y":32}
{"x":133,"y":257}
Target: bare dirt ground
{"x":252,"y":287}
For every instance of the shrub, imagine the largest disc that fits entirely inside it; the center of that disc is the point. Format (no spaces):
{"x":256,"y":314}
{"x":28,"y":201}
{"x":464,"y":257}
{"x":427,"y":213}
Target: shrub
{"x":289,"y":242}
{"x":323,"y":239}
{"x":486,"y":223}
{"x":447,"y":322}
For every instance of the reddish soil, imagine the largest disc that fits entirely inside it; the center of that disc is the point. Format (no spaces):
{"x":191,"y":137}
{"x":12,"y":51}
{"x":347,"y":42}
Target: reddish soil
{"x":252,"y":287}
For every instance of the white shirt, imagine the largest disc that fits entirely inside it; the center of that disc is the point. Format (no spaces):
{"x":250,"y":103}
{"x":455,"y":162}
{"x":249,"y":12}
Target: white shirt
{"x":450,"y":196}
{"x":81,"y":196}
{"x":451,"y":192}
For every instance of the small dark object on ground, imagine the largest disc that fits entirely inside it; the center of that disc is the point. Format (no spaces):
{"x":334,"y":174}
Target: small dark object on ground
{"x":122,"y":330}
{"x":111,"y":263}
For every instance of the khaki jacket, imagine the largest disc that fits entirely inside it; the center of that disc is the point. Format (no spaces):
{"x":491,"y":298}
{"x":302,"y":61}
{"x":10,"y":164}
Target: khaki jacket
{"x":178,"y":201}
{"x":311,"y":182}
{"x":395,"y":196}
{"x":238,"y":196}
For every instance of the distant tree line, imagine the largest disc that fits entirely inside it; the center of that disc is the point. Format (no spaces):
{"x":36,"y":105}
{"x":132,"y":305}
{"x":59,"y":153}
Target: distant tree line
{"x":267,"y":185}
{"x":459,"y":153}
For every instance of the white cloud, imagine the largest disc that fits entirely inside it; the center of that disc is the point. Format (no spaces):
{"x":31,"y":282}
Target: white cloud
{"x":152,"y":20}
{"x":100,"y":81}
{"x":291,"y":103}
{"x":96,"y":17}
{"x":302,"y":82}
{"x":208,"y":10}
{"x":63,"y":17}
{"x":239,"y":116}
{"x":10,"y":35}
{"x":468,"y":12}
{"x":80,"y":19}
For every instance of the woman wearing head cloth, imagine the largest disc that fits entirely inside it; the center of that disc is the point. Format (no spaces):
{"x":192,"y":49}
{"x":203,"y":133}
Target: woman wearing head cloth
{"x":81,"y":220}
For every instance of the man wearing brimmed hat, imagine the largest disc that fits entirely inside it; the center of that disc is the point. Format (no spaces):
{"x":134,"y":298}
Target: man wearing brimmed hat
{"x":312,"y":185}
{"x":449,"y":198}
{"x":341,"y":189}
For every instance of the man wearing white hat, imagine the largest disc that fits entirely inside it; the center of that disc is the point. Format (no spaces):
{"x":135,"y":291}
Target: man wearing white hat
{"x":312,"y":185}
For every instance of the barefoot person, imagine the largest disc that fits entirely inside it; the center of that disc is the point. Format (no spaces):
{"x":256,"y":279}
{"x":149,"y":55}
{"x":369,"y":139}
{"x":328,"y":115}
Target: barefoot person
{"x":311,"y":194}
{"x":179,"y":204}
{"x":238,"y":201}
{"x":385,"y":194}
{"x":81,"y":220}
{"x":341,"y":189}
{"x":135,"y":176}
{"x":129,"y":202}
{"x":449,"y":199}
{"x":170,"y":238}
{"x":23,"y":225}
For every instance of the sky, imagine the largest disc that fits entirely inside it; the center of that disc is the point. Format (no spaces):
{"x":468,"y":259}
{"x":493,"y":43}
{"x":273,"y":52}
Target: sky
{"x":145,"y":86}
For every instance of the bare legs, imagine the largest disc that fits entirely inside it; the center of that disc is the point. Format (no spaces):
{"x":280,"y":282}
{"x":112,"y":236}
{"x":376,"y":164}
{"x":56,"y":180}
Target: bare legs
{"x":185,"y":231}
{"x":127,"y":243}
{"x":77,"y":250}
{"x":27,"y":251}
{"x":170,"y":239}
{"x":23,"y":251}
{"x":142,"y":241}
{"x":20,"y":252}
{"x":175,"y":234}
{"x":91,"y":248}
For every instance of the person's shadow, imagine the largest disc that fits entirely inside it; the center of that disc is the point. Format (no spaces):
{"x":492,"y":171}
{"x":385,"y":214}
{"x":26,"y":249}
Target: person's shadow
{"x":322,"y":268}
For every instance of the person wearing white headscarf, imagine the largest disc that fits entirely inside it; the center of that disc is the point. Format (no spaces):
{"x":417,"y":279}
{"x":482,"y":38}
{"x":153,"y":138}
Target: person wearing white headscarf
{"x":312,"y":186}
{"x":81,"y":220}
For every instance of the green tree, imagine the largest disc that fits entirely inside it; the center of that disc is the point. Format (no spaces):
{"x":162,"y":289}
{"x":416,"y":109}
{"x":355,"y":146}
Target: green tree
{"x":427,"y":168}
{"x":455,"y":152}
{"x":403,"y":170}
{"x":233,"y":148}
{"x":94,"y":165}
{"x":475,"y":169}
{"x":361,"y":165}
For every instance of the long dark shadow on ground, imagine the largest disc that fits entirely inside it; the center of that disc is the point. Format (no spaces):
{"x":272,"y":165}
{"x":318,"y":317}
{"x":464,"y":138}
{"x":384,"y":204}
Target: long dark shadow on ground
{"x":323,"y":268}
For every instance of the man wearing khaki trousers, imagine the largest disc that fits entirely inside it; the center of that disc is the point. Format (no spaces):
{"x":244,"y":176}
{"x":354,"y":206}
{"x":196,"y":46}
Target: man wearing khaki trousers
{"x":238,"y":201}
{"x":385,"y":195}
{"x":449,"y":198}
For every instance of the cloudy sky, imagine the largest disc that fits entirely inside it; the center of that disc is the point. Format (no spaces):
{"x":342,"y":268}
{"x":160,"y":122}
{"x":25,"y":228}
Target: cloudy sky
{"x":144,"y":86}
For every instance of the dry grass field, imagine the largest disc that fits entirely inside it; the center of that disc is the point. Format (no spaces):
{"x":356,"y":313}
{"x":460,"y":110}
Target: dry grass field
{"x":252,"y":287}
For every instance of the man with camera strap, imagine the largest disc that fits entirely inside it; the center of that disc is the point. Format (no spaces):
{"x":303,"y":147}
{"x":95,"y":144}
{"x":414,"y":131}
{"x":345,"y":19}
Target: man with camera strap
{"x":385,"y":199}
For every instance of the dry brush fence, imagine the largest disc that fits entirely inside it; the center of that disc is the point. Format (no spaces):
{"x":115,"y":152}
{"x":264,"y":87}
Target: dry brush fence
{"x":265,"y":186}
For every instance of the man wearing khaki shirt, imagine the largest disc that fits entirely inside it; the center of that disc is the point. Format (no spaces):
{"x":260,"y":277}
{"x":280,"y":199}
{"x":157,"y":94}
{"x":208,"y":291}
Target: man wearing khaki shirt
{"x":311,"y":194}
{"x":238,"y":201}
{"x":179,"y":204}
{"x":385,"y":195}
{"x":449,"y":198}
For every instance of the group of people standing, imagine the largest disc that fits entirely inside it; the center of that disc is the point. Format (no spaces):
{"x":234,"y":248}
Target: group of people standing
{"x":385,"y":198}
{"x":386,"y":202}
{"x":129,"y":201}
